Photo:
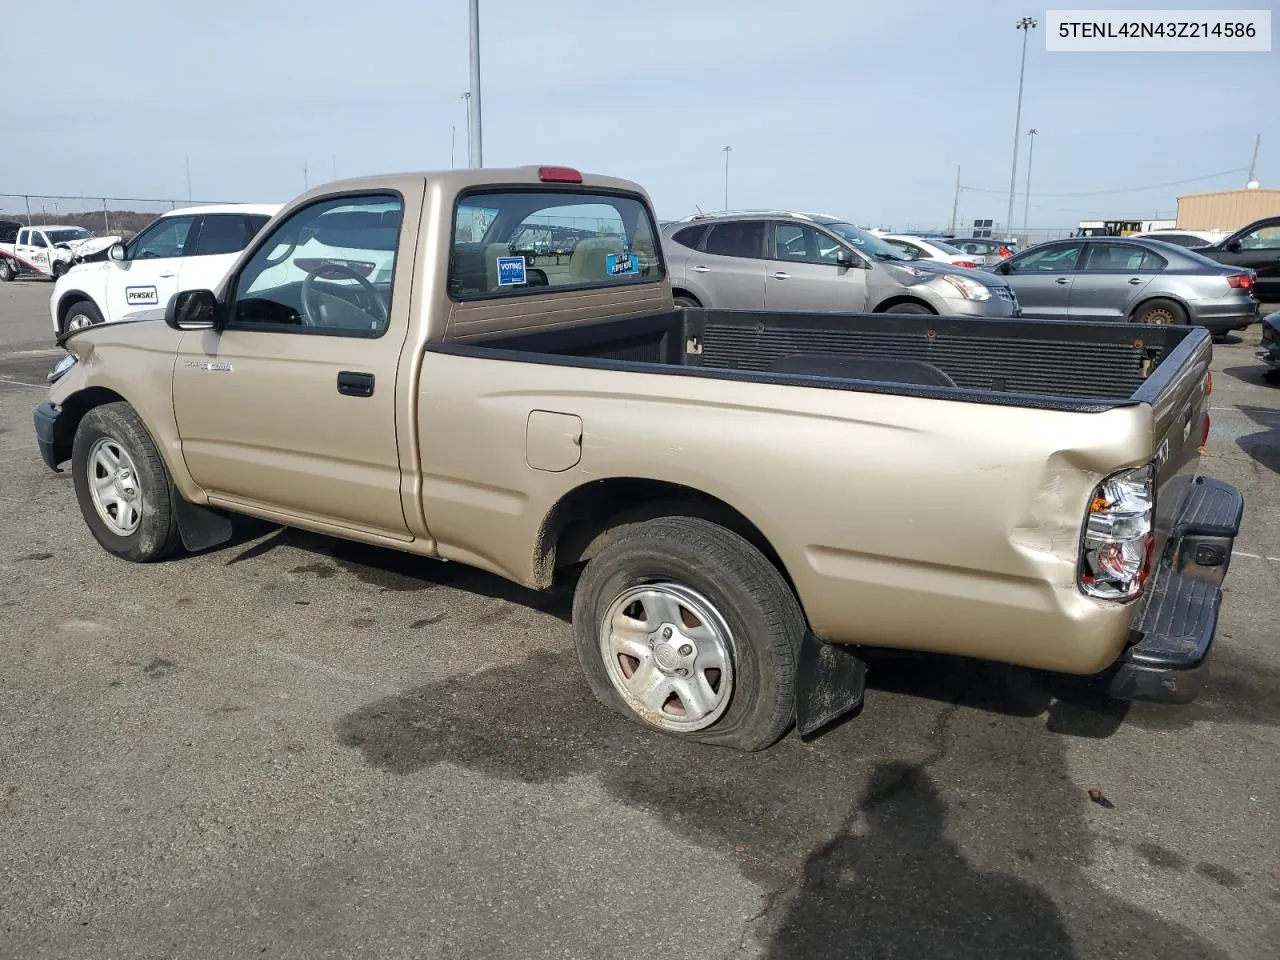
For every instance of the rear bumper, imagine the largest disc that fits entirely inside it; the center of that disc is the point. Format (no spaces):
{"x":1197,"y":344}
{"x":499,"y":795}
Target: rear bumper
{"x":1225,"y":315}
{"x":1174,"y":630}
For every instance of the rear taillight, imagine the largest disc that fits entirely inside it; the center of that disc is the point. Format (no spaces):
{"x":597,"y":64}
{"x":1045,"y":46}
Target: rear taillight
{"x":1241,"y":281}
{"x":1115,"y":551}
{"x":1004,"y":252}
{"x":963,"y":263}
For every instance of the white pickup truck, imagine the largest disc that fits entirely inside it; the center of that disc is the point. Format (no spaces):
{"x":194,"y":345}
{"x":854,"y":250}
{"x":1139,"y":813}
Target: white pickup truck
{"x":46,"y":250}
{"x":187,"y":248}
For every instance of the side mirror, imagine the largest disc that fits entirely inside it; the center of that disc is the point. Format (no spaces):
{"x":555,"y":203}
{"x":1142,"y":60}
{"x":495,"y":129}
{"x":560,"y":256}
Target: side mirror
{"x":1233,"y":246}
{"x":192,"y":310}
{"x":845,"y":259}
{"x":116,"y":252}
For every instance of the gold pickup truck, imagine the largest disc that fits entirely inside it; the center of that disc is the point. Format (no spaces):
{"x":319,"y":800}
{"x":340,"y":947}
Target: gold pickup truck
{"x":487,"y":367}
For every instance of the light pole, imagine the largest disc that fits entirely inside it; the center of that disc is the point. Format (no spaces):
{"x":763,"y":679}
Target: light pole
{"x":1026,"y":201}
{"x":467,"y":97}
{"x":1026,"y":25}
{"x":727,"y":149}
{"x":473,"y":102}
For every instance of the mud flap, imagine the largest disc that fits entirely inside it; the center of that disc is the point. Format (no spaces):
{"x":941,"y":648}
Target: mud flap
{"x":830,"y":682}
{"x":200,"y":527}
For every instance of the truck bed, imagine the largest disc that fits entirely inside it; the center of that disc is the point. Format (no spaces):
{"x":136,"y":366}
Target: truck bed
{"x":1078,"y":366}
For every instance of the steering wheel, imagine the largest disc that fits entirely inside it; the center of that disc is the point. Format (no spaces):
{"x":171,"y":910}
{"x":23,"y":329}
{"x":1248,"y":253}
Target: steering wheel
{"x":313,"y":313}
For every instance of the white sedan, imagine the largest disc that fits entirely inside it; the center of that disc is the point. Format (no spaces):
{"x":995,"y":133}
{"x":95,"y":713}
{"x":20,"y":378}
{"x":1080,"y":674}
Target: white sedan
{"x":185,"y":249}
{"x":922,"y":248}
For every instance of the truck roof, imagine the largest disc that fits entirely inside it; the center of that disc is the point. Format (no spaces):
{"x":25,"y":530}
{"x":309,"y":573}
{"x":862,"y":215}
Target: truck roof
{"x":455,"y":180}
{"x":268,"y":209}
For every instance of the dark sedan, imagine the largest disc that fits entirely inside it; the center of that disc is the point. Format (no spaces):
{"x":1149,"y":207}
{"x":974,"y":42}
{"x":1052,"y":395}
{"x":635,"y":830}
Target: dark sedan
{"x":1257,"y":248}
{"x":1269,"y":351}
{"x":1126,"y":279}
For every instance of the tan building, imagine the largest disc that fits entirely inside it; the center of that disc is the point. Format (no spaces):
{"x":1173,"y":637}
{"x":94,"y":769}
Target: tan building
{"x":1227,"y":210}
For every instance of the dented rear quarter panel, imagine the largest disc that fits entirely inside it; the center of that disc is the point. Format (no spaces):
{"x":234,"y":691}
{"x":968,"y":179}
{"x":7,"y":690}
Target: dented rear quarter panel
{"x":903,"y":522}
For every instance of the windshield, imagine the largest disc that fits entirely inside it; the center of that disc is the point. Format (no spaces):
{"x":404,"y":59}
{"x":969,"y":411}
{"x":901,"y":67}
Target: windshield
{"x":866,"y":243}
{"x":68,"y":236}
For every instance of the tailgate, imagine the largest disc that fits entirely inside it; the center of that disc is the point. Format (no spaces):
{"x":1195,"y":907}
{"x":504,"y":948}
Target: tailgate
{"x":1178,"y":393}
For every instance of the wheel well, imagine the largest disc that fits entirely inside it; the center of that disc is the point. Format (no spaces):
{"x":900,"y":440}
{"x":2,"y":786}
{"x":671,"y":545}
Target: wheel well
{"x":587,"y":518}
{"x":678,"y":292}
{"x":73,"y":411}
{"x":894,"y":301}
{"x":69,"y":300}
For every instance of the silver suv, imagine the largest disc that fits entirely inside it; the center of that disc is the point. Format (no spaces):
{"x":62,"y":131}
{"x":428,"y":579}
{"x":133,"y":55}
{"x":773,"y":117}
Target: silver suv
{"x":773,"y":260}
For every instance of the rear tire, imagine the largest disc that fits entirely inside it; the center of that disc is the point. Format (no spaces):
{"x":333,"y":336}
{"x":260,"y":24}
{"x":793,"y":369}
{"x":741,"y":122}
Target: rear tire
{"x":81,"y":314}
{"x":686,"y":303}
{"x":731,"y":602}
{"x":1160,"y":312}
{"x":123,"y":486}
{"x":6,"y":271}
{"x":909,"y":307}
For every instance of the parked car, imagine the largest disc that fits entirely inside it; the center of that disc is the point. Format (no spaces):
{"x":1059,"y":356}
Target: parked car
{"x":745,"y":496}
{"x":987,"y":252}
{"x":802,"y":261}
{"x":47,"y":250}
{"x":188,"y":247}
{"x":1183,"y":238}
{"x":1269,"y":349}
{"x":1123,"y":279}
{"x":1257,"y":248}
{"x":929,"y":248}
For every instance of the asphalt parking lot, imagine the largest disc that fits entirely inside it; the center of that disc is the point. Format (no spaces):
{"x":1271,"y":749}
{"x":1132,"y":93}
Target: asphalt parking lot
{"x":295,"y":747}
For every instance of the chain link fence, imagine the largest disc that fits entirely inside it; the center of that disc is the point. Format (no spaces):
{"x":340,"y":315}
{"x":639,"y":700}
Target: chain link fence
{"x":105,"y":216}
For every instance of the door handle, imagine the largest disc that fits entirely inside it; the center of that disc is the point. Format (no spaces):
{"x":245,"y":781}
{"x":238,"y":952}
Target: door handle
{"x":1062,"y":280}
{"x":782,"y":275}
{"x":353,"y":384}
{"x":1135,"y":280}
{"x":166,"y":276}
{"x":701,"y":269}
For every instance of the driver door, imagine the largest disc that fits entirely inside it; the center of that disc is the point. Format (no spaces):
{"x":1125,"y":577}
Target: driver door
{"x":290,"y":409}
{"x":139,"y":287}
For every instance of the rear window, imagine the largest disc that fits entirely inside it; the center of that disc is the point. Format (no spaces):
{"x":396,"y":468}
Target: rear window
{"x":507,"y":243}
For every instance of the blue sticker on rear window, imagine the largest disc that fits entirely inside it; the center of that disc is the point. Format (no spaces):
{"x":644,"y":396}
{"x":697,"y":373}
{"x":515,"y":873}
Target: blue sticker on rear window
{"x":621,"y":264}
{"x":510,"y":271}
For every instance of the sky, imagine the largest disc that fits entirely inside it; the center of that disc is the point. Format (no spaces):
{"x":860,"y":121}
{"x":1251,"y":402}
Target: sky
{"x":860,"y":109}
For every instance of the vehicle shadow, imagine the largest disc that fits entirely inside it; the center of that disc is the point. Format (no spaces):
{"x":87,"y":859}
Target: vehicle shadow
{"x":1263,"y":446}
{"x":863,"y":841}
{"x":394,"y":570}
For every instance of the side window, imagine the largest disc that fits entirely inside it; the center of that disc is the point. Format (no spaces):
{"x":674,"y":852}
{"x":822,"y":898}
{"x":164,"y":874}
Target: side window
{"x":163,"y":239}
{"x":1123,"y":257}
{"x":737,"y":238}
{"x":327,"y":269}
{"x":39,"y":239}
{"x":222,"y":233}
{"x":1264,"y":238}
{"x":1055,"y":258}
{"x":690,"y":236}
{"x":24,"y":237}
{"x":514,"y":242}
{"x":795,"y":242}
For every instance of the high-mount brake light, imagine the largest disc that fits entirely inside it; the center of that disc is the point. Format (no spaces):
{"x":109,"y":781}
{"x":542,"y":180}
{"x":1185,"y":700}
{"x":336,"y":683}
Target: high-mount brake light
{"x":1118,"y":541}
{"x":559,"y":175}
{"x":964,"y":263}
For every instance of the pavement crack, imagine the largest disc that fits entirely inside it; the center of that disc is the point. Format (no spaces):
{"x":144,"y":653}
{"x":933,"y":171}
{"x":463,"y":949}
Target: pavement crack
{"x":771,"y":901}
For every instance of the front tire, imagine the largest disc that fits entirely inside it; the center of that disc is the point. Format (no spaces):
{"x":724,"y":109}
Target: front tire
{"x":685,"y":627}
{"x":57,"y":271}
{"x":1161,"y":312}
{"x":685,"y":302}
{"x":909,"y":307}
{"x":81,"y":314}
{"x":122,"y":485}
